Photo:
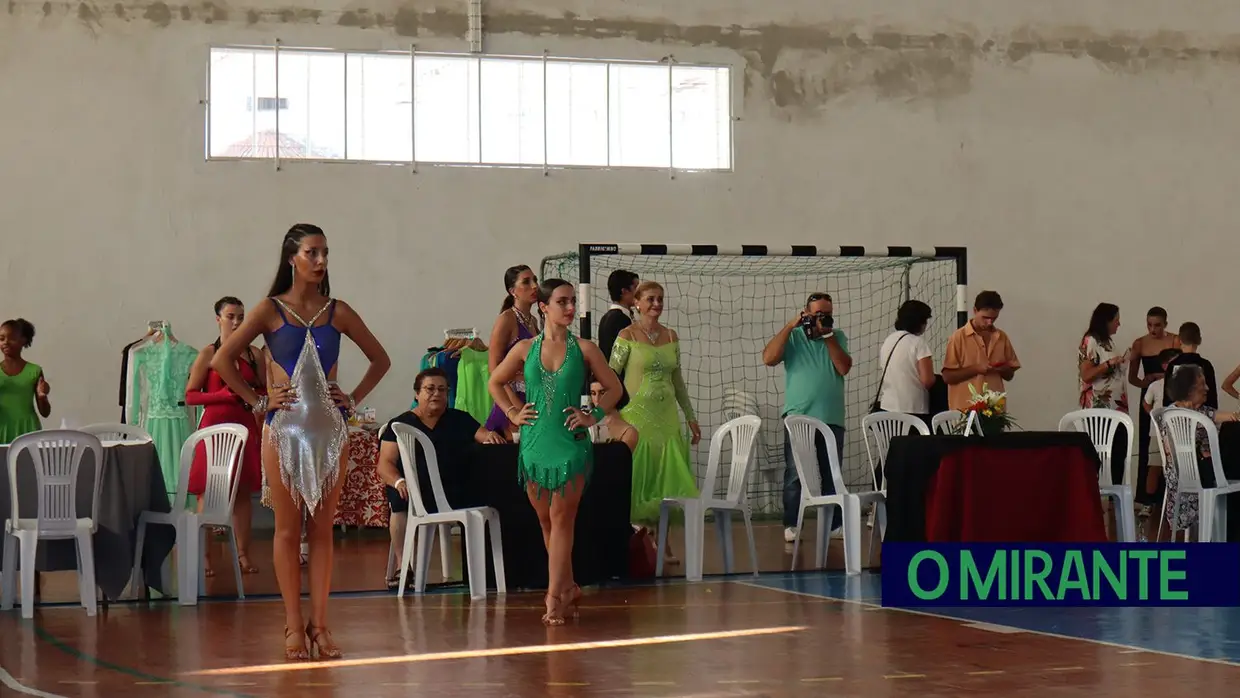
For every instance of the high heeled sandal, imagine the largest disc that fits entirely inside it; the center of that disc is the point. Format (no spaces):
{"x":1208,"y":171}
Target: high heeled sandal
{"x":291,"y":652}
{"x":326,"y":650}
{"x":574,"y":601}
{"x":553,"y":616}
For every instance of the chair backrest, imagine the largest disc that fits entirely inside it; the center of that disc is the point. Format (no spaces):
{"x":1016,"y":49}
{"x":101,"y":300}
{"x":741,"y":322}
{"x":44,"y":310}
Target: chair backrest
{"x":882,"y":427}
{"x":1102,"y":426}
{"x":942,"y":422}
{"x":223,"y":446}
{"x":408,"y":440}
{"x":802,"y":431}
{"x":1182,"y":425}
{"x":117,"y":432}
{"x":57,"y":457}
{"x":744,"y":431}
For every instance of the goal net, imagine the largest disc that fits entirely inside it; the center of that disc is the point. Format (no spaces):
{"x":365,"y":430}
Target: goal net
{"x":727,"y":307}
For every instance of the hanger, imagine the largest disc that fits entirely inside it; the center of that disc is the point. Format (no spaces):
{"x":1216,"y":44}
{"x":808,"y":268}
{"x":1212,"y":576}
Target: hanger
{"x":457,"y":339}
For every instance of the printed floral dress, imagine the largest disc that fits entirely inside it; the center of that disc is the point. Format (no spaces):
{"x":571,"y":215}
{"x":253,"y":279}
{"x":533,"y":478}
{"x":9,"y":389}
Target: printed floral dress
{"x":1110,"y":389}
{"x":1186,"y":515}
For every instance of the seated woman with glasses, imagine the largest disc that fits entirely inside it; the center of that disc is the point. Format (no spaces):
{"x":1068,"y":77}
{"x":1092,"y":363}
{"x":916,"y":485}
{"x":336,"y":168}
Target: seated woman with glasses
{"x":613,"y":427}
{"x":452,"y":431}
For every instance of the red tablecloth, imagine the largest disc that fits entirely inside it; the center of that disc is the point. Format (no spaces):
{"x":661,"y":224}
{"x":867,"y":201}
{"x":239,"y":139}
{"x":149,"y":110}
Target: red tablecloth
{"x":1043,"y":494}
{"x":362,"y":502}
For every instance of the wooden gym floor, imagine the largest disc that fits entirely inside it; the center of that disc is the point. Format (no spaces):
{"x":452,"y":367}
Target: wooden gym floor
{"x":779,"y":635}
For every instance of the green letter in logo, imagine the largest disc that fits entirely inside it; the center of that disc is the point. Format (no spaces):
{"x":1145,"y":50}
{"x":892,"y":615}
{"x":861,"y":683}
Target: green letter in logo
{"x":970,"y":577}
{"x":916,"y":588}
{"x":1166,"y":575}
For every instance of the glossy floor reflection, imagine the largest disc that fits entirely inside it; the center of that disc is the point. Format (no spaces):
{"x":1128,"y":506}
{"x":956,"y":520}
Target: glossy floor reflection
{"x":779,"y":636}
{"x":361,"y":560}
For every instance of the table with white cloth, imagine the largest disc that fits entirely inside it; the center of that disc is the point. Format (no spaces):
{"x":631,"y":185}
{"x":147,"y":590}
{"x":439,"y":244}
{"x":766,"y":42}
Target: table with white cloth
{"x":132,"y":483}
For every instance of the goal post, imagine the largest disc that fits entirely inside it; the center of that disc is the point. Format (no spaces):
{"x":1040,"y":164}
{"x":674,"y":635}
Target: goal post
{"x":726,"y":302}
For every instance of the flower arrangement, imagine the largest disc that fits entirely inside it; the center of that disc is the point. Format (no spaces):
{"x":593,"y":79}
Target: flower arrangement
{"x":990,"y":410}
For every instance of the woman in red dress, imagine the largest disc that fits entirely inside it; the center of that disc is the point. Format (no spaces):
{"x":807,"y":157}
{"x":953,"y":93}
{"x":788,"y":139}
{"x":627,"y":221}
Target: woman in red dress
{"x":222,"y":406}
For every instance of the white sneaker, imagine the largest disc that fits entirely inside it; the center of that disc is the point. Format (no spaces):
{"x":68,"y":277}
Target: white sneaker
{"x":790,"y":534}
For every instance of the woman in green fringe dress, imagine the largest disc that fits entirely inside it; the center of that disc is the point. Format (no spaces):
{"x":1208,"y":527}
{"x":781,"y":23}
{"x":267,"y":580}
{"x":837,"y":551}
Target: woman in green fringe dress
{"x":556,"y":454}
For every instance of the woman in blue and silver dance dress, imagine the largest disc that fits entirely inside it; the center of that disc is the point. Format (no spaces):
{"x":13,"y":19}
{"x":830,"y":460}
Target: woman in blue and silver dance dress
{"x":305,"y":440}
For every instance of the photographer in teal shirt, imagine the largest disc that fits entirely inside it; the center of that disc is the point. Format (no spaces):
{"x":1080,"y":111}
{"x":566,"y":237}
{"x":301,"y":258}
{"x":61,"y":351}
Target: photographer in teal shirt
{"x":815,"y":358}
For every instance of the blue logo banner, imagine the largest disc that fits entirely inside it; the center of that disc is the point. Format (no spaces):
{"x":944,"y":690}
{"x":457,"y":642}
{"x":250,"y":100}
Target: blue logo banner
{"x":920,"y":575}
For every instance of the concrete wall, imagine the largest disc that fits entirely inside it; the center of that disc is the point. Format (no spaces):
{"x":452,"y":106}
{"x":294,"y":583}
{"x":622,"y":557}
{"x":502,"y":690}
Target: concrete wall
{"x":1082,"y":151}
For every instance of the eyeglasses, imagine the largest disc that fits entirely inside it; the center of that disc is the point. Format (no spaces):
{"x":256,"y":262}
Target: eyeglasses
{"x":434,"y":389}
{"x":814,"y":297}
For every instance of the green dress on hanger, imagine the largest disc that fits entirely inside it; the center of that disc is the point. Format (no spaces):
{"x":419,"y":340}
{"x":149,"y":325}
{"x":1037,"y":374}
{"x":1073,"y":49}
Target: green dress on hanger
{"x":472,"y":375}
{"x":161,"y":372}
{"x":661,"y":465}
{"x":551,"y":454}
{"x":17,"y":413}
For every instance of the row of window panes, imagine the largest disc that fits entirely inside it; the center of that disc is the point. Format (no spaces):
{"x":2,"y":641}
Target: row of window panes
{"x":467,"y":110}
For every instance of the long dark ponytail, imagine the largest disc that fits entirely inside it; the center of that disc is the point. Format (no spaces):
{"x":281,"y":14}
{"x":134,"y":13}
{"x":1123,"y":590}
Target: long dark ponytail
{"x":511,"y":274}
{"x":292,"y":243}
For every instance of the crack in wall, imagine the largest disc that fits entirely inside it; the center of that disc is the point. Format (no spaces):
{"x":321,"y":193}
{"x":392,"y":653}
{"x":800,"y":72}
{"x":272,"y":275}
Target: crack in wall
{"x":797,"y":68}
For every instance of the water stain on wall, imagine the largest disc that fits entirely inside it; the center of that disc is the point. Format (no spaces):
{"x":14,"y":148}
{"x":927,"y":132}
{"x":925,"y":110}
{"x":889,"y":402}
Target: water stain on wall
{"x":796,"y":69}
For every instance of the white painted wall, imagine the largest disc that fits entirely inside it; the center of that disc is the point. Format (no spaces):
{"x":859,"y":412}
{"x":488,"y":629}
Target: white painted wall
{"x":1071,"y":178}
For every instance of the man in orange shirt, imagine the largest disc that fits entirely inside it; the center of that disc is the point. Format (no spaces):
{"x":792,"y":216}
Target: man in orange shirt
{"x":979,"y":354}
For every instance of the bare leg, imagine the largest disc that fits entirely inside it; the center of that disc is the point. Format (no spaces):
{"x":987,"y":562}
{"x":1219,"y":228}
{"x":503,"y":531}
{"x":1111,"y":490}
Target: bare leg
{"x":243,"y":521}
{"x":396,"y":529}
{"x":563,"y":523}
{"x":284,"y":553}
{"x":319,"y":534}
{"x":207,"y":570}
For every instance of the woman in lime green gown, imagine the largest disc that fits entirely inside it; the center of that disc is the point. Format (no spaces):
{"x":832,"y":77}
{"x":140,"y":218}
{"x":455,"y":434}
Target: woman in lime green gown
{"x":648,"y":355}
{"x":556,"y":454}
{"x":22,"y":386}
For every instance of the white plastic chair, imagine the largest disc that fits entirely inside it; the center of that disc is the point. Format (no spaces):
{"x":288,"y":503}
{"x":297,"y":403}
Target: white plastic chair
{"x":224,"y":445}
{"x":942,"y":422}
{"x":473,"y":519}
{"x":882,"y":427}
{"x":445,"y":533}
{"x":801,"y":434}
{"x":57,"y":457}
{"x":1182,"y":426}
{"x":1102,"y":426}
{"x":742,"y":431}
{"x":117,"y":432}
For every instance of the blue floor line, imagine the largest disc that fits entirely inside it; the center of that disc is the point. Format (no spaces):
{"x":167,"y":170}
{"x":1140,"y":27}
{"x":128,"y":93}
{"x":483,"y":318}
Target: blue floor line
{"x":1201,"y":633}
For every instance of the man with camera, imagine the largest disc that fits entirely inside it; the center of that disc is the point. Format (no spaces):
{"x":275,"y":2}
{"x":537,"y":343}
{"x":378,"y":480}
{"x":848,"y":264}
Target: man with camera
{"x":815,"y":357}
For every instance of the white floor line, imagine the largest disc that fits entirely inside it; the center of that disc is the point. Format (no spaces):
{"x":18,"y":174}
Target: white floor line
{"x":964,"y":621}
{"x":7,"y":680}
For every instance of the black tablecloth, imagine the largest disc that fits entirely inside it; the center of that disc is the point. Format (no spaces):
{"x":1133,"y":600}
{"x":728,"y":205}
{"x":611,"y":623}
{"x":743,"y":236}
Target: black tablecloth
{"x":132,"y":483}
{"x":913,"y":461}
{"x":601,"y":541}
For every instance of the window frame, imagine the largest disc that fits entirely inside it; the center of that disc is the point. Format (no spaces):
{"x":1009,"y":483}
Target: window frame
{"x":415,"y":164}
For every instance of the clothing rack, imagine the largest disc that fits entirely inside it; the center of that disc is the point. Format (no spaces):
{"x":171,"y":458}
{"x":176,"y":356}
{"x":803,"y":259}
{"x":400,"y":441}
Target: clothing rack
{"x":461,"y":333}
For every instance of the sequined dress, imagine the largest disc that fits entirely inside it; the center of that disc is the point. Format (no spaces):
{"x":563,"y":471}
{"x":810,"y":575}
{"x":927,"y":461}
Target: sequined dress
{"x":498,"y":421}
{"x":661,"y":466}
{"x":551,"y":454}
{"x":310,"y":436}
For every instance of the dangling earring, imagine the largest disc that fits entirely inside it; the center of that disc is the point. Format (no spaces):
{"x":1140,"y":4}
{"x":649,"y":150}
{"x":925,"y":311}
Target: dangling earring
{"x":294,"y":268}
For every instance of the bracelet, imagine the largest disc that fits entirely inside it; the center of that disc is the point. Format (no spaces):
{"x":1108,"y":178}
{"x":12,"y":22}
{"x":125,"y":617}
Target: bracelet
{"x":509,"y":410}
{"x":396,"y":485}
{"x":260,"y":407}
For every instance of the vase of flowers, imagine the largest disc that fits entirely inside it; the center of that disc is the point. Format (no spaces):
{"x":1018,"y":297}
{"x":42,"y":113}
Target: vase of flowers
{"x":988,"y":411}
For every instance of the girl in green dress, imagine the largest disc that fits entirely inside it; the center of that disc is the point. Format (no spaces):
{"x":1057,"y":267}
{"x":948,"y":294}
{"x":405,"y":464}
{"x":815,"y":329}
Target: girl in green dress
{"x":22,"y":385}
{"x":555,"y":449}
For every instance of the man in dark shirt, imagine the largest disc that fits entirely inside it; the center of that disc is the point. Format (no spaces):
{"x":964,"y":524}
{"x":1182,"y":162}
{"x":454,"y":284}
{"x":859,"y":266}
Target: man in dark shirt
{"x":453,"y":433}
{"x":1190,"y":341}
{"x":621,"y":285}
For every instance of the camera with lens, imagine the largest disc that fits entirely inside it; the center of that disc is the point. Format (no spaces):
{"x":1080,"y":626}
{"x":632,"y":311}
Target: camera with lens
{"x":815,"y":324}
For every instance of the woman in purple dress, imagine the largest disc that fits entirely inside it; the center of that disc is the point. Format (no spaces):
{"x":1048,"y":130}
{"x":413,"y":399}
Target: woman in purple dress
{"x":515,"y":323}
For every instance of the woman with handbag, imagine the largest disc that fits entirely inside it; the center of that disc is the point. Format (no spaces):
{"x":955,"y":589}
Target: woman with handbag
{"x":908,"y":364}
